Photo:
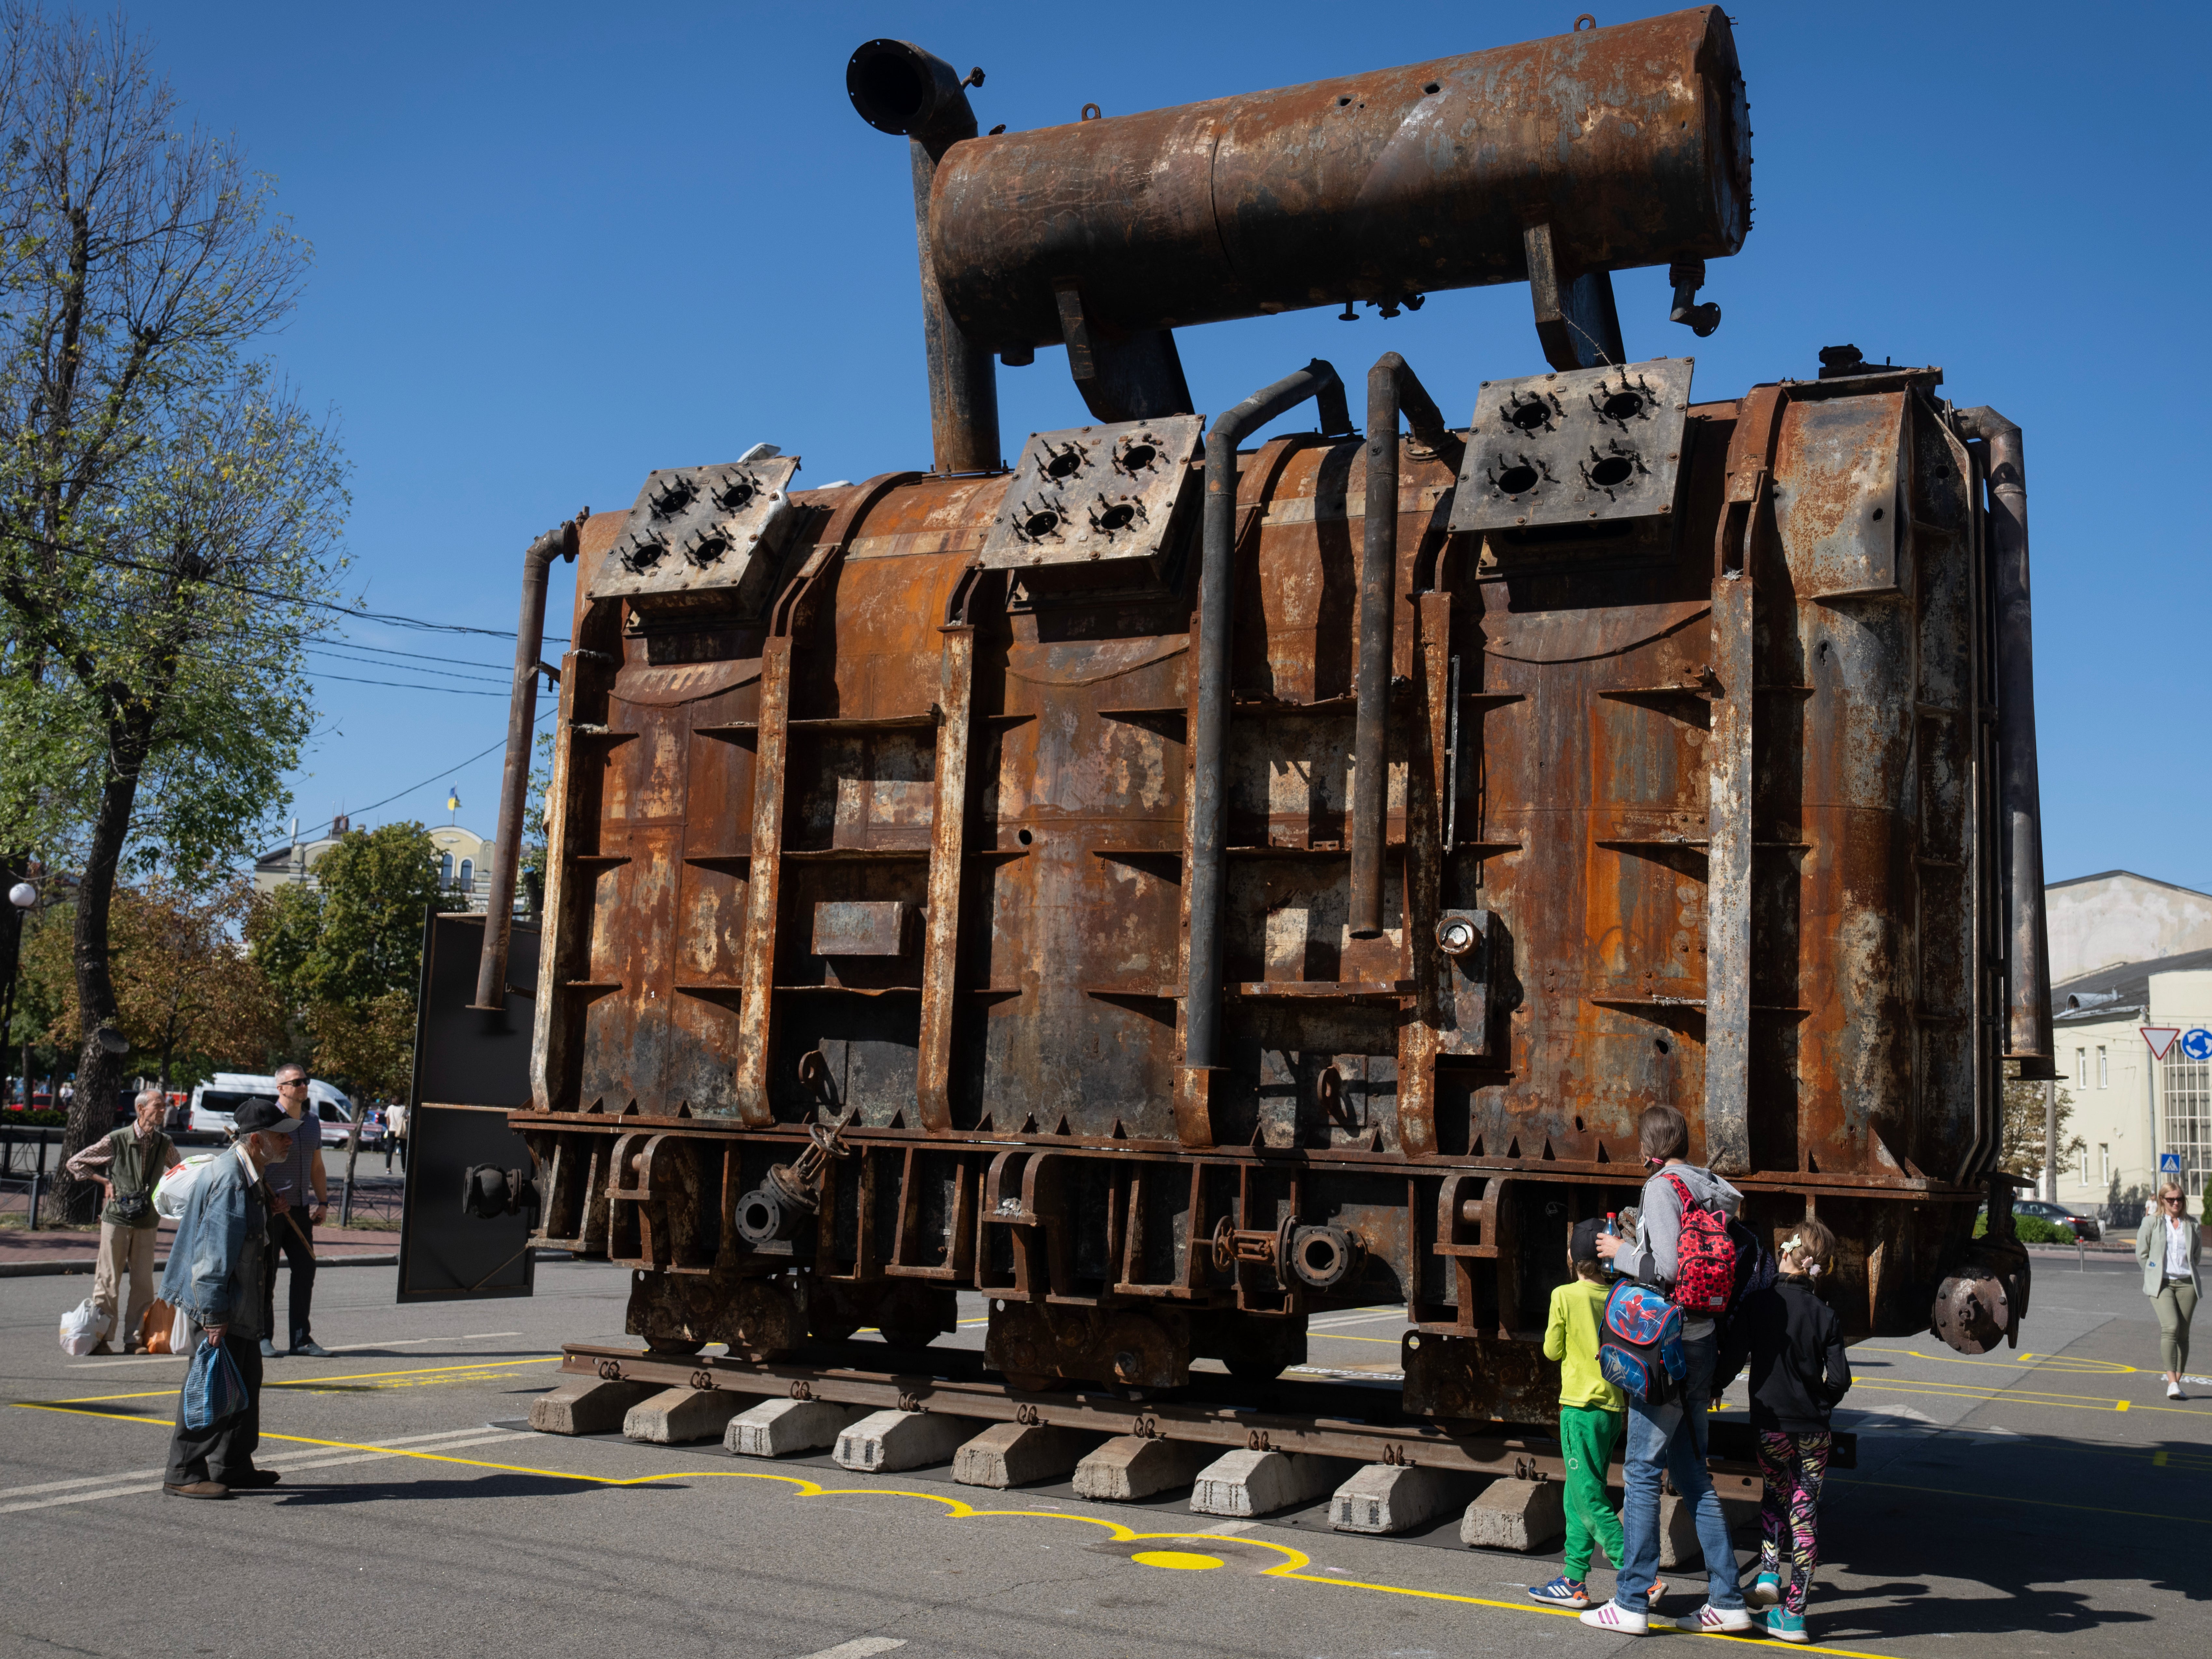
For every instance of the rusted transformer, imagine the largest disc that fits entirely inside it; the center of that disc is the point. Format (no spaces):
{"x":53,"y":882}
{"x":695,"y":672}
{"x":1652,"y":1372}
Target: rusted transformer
{"x":965,"y":879}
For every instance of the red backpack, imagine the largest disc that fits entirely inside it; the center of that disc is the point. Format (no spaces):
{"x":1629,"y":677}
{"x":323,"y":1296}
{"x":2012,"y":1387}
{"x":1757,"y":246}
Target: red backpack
{"x":1705,"y":1257}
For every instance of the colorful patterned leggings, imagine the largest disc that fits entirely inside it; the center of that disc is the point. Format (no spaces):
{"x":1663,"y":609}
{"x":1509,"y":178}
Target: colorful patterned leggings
{"x":1794,"y":1464}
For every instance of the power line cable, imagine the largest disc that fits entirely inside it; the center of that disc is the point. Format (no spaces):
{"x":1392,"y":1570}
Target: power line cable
{"x":390,"y":618}
{"x":403,"y":685}
{"x":442,"y":771}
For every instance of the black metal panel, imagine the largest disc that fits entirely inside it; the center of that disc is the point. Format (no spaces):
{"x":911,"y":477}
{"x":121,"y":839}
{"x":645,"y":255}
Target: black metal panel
{"x":471,"y":1066}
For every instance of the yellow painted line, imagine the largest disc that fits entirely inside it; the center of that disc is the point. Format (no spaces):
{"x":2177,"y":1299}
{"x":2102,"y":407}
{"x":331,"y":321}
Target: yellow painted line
{"x":1331,"y":1336}
{"x":1290,"y":1565}
{"x":2073,"y":1402}
{"x":2076,"y":1367}
{"x":313,"y":1382}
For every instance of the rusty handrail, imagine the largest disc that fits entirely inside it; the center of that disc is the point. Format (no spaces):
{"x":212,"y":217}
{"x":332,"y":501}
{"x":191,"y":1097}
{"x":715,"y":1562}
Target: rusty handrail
{"x":1391,"y":386}
{"x":1318,"y":380}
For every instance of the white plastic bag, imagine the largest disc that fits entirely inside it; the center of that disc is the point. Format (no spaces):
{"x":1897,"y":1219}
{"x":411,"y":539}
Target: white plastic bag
{"x":184,"y":1333}
{"x":175,"y":1190}
{"x":84,"y":1327}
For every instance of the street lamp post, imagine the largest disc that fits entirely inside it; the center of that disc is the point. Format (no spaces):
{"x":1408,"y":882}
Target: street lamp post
{"x":24,"y":896}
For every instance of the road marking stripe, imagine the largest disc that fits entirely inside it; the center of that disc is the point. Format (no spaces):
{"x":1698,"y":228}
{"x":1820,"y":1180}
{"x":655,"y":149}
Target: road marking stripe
{"x":145,"y":1480}
{"x":142,"y":1474}
{"x":860,"y":1647}
{"x":1290,"y":1566}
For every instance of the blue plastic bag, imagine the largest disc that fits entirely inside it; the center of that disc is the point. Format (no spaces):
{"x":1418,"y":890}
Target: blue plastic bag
{"x":213,"y":1391}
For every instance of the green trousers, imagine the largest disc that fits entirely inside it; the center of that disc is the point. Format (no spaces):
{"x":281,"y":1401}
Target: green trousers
{"x":1589,"y":1437}
{"x":2175,"y":1304}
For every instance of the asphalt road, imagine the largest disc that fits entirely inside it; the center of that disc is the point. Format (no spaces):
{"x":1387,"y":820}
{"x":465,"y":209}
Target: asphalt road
{"x":2048,"y":1501}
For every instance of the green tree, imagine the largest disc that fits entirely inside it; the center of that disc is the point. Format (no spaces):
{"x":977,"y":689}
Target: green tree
{"x":167,"y":511}
{"x":2020,"y":1150}
{"x":192,"y":1000}
{"x":346,"y":954}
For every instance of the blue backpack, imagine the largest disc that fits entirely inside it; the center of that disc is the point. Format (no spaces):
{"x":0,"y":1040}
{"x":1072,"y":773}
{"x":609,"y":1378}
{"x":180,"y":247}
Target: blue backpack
{"x":1640,"y":1343}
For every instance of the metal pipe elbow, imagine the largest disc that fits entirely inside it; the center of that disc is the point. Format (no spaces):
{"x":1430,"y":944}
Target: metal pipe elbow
{"x":899,"y":88}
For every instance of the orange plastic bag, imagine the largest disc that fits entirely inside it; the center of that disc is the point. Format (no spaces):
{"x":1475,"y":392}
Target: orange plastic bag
{"x":153,"y":1328}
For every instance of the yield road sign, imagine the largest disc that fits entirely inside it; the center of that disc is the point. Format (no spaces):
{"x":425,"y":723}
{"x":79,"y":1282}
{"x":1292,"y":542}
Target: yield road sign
{"x":2161,"y":1038}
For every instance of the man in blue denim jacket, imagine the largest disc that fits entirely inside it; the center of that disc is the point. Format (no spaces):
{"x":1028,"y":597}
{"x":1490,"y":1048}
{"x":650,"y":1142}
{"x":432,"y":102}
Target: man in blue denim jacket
{"x":217,"y":1262}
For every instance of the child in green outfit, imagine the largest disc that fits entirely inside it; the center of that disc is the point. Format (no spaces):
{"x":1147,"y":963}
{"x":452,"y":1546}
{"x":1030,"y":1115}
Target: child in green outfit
{"x":1591,"y":1417}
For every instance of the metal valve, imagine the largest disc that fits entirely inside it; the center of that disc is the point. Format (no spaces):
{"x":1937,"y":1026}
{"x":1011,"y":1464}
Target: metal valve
{"x":1457,"y":935}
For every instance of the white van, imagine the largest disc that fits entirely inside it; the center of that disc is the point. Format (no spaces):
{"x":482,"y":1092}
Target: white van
{"x":216,"y":1103}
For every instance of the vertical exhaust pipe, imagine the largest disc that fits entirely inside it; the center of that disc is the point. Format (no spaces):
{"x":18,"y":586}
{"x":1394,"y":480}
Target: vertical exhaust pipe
{"x":1210,"y":742}
{"x":1391,"y":386}
{"x":560,"y":542}
{"x":2020,"y":796}
{"x":899,"y":88}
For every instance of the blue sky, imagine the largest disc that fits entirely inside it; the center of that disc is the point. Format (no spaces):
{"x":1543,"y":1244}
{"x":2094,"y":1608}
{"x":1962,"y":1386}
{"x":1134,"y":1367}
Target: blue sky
{"x":557,"y":246}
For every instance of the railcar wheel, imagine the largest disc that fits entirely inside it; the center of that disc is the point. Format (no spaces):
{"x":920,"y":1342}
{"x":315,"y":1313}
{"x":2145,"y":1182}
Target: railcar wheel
{"x":909,"y":1336}
{"x":1033,"y":1382}
{"x":683,"y":1347}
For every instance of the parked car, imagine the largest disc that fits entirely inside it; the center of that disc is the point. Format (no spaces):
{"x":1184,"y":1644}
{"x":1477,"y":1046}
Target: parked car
{"x":2084,"y":1227}
{"x":216,"y":1103}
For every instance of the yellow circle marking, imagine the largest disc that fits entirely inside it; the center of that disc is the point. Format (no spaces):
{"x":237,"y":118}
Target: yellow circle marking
{"x":1176,"y":1561}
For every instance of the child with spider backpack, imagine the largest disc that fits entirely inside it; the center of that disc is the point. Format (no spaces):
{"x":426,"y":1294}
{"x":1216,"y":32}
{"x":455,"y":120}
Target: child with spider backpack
{"x":1590,"y":1419}
{"x":1794,"y":1345}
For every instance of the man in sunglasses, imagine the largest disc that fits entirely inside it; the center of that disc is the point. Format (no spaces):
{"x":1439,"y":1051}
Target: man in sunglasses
{"x":291,"y":1179}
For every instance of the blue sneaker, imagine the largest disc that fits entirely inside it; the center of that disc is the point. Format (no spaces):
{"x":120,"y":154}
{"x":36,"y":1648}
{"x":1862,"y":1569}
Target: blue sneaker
{"x":1786,"y":1626}
{"x":1561,"y":1592}
{"x":1766,"y":1591}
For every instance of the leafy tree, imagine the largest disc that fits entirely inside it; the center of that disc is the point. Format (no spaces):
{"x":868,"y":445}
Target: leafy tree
{"x":2022,"y":1149}
{"x":186,"y":991}
{"x":167,"y":511}
{"x":346,"y":954}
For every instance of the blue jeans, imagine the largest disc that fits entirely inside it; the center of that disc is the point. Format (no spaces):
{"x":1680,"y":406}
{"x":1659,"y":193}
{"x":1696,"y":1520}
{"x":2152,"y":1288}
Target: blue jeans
{"x":1672,"y":1437}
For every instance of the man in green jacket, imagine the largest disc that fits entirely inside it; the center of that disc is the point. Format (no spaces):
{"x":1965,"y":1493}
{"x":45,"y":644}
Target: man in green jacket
{"x":127,"y":1163}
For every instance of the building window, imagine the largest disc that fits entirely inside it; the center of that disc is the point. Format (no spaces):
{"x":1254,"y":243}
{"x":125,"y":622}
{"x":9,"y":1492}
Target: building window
{"x":2189,"y":1117}
{"x":2085,"y":1163}
{"x":2103,"y":1067}
{"x":2080,"y":1068}
{"x":2103,"y":1164}
{"x":468,"y":882}
{"x":444,"y":869}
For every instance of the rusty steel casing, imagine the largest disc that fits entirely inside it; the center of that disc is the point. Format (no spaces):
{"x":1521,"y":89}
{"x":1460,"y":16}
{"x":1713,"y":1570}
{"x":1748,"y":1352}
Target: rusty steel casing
{"x":1631,"y":142}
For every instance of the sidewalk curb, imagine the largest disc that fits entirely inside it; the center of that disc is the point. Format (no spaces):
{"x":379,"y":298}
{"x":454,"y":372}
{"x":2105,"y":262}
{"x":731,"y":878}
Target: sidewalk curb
{"x":55,"y":1269}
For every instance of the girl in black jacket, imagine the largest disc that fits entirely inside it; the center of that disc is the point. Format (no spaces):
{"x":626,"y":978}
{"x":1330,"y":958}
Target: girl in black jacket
{"x":1795,"y":1344}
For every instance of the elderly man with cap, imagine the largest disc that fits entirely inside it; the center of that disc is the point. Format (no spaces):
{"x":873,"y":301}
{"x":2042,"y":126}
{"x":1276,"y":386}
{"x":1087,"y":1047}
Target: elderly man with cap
{"x":216,"y":1264}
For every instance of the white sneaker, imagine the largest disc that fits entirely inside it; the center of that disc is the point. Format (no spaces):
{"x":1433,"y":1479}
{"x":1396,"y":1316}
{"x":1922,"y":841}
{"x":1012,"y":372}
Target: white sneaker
{"x":1613,"y":1617}
{"x":2173,"y":1391}
{"x":1732,"y":1619}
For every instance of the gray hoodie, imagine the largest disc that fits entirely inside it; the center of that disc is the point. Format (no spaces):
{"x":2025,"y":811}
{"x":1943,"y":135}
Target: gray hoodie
{"x":1650,"y":1258}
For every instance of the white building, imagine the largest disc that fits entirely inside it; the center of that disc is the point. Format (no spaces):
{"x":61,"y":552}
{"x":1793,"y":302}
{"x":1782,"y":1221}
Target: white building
{"x":2128,"y":1106}
{"x":464,"y":863}
{"x":2117,"y":917}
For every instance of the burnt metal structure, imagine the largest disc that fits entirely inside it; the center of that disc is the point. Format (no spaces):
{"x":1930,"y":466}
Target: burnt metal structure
{"x":1173,"y":889}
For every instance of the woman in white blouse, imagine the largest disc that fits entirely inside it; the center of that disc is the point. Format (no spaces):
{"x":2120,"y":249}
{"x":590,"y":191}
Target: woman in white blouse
{"x":2166,"y":1245}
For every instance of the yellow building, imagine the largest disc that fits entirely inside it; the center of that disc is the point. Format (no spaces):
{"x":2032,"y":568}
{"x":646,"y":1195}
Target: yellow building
{"x":2130,"y":1106}
{"x":464,"y":863}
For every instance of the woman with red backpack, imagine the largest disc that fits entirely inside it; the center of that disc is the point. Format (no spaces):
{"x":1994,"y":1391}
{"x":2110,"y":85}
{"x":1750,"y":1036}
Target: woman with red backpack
{"x":1684,"y":1247}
